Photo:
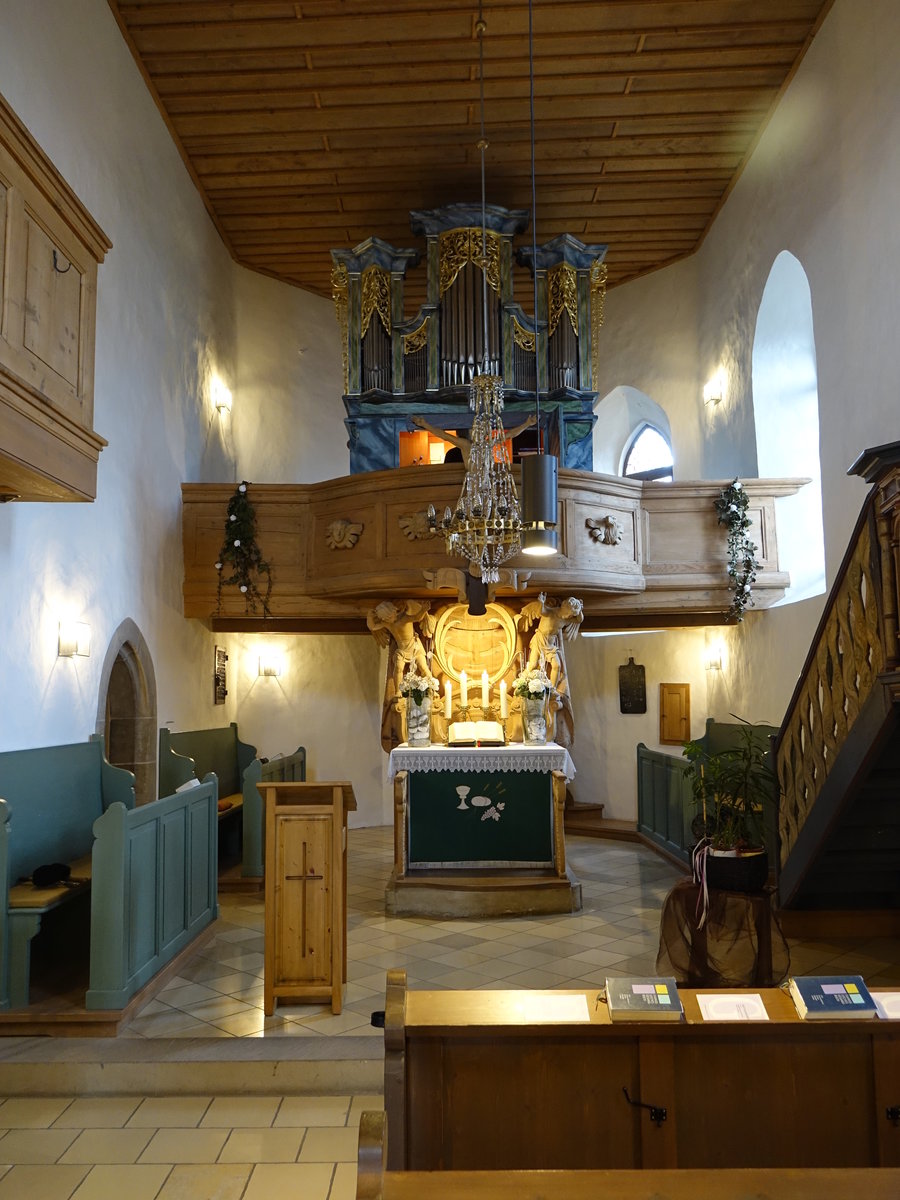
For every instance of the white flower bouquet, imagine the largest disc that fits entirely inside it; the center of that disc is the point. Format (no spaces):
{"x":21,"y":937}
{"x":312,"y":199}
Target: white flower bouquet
{"x":533,"y":682}
{"x":417,"y":686}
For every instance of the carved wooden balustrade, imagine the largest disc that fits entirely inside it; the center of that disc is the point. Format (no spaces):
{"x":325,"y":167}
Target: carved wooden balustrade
{"x":854,"y":655}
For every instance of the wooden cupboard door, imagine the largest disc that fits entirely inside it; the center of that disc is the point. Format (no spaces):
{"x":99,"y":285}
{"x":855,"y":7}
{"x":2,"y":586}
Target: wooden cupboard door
{"x":674,"y":713}
{"x":303,"y":909}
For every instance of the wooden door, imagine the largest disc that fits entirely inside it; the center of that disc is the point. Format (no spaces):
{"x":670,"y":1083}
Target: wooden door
{"x":674,"y":713}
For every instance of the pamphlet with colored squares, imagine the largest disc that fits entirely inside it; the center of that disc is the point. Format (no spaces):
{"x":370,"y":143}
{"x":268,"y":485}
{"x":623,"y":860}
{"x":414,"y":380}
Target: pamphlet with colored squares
{"x":831,"y":996}
{"x":636,"y":999}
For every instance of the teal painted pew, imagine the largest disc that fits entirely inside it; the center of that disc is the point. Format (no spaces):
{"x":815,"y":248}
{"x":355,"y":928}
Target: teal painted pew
{"x":194,"y":753}
{"x":49,"y":800}
{"x":153,"y":891}
{"x":287,"y":768}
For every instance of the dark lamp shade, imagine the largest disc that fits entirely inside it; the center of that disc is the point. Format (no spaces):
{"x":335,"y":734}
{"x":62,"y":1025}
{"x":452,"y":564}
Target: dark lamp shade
{"x":539,"y":505}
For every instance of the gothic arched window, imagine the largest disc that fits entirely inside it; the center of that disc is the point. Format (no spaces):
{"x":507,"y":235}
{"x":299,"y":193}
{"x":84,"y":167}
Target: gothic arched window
{"x":649,"y":456}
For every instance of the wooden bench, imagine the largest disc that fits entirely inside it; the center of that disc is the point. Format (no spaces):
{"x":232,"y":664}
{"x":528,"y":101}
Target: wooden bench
{"x":282,"y":768}
{"x":194,"y":753}
{"x":146,"y":870}
{"x":375,"y":1182}
{"x":503,"y":1080}
{"x":51,"y":798}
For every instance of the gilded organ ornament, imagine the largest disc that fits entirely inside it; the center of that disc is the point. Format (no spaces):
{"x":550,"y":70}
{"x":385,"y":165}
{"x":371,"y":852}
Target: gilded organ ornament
{"x":376,"y":298}
{"x":417,"y":339}
{"x":562,"y":296}
{"x":340,"y":288}
{"x":460,"y":246}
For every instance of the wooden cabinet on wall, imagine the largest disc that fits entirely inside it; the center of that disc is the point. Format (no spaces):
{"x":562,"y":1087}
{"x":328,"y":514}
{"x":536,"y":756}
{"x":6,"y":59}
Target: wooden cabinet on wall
{"x":50,"y":248}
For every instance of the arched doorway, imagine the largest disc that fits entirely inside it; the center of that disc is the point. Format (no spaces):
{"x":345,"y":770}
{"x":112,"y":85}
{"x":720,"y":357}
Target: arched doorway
{"x":127,"y":709}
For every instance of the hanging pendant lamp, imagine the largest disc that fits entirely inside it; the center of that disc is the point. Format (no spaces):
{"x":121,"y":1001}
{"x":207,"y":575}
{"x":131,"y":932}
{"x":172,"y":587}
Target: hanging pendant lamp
{"x":539,"y":471}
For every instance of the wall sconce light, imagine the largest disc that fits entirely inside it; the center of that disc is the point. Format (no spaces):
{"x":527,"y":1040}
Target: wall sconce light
{"x":221,"y":396}
{"x":714,"y":657}
{"x":74,"y":638}
{"x":271,"y":665}
{"x":714,"y":389}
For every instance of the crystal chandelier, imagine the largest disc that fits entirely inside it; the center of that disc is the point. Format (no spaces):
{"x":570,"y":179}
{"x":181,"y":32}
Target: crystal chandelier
{"x":486,"y":525}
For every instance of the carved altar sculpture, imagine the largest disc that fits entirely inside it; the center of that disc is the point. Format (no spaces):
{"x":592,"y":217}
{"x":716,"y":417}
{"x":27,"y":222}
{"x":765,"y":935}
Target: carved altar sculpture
{"x":393,"y":625}
{"x":558,"y":622}
{"x":496,"y":645}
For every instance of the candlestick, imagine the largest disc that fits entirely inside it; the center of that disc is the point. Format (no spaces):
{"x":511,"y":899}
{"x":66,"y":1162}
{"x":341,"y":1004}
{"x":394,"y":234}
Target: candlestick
{"x":463,"y":690}
{"x":485,"y":689}
{"x":448,"y":700}
{"x":504,"y":701}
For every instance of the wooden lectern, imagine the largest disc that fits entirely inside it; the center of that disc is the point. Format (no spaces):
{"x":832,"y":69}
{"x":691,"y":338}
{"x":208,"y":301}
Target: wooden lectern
{"x":306,"y":891}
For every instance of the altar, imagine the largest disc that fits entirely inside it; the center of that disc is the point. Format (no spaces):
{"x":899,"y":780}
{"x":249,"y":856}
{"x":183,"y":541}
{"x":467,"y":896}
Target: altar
{"x":478,"y":831}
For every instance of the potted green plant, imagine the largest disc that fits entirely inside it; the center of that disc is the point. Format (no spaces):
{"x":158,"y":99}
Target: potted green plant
{"x":732,"y":787}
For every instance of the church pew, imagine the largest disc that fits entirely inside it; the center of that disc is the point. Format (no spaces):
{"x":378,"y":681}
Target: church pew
{"x":376,"y":1182}
{"x":504,"y":1080}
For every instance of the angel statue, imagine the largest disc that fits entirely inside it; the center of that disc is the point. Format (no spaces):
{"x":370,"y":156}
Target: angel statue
{"x":393,"y":625}
{"x":558,"y":622}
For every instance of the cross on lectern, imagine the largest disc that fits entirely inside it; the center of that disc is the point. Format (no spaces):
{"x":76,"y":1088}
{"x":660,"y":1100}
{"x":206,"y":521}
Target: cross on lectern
{"x":306,"y":875}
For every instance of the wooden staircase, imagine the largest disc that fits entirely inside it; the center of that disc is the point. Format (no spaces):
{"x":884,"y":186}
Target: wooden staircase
{"x":838,"y":750}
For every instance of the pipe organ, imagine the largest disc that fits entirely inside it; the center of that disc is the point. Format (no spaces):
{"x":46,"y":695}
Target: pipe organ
{"x":398,"y":366}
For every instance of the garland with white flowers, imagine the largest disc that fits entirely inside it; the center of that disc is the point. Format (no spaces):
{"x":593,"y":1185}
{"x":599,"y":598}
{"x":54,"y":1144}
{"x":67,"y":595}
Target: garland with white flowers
{"x":731,"y":509}
{"x":242,"y":554}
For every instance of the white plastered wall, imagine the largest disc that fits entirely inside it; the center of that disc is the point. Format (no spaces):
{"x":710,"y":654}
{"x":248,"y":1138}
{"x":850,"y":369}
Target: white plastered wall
{"x":173,"y":308}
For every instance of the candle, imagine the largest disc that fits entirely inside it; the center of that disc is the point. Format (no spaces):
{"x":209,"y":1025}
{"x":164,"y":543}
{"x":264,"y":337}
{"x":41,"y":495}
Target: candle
{"x":485,"y":689}
{"x":448,"y":700}
{"x":463,"y":689}
{"x":504,"y":704}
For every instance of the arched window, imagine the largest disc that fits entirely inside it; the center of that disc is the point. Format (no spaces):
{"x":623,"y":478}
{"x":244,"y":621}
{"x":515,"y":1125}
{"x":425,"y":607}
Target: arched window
{"x":649,"y":456}
{"x":786,"y":414}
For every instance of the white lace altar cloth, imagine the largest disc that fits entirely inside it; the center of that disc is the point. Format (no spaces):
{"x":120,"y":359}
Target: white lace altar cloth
{"x":513,"y":757}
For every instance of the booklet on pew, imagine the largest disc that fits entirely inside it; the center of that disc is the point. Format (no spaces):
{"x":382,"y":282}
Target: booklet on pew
{"x":476,"y":733}
{"x":655,"y":998}
{"x":831,"y":996}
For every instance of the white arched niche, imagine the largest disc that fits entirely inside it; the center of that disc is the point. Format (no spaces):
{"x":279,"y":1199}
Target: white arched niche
{"x":621,"y":415}
{"x":786,"y":415}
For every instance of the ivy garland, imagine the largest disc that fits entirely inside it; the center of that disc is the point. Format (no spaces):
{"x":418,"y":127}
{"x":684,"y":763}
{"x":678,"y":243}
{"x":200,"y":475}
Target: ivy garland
{"x":731,"y":509}
{"x":242,"y":554}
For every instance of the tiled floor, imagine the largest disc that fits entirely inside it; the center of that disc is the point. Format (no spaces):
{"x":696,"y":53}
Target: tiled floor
{"x":229,"y":1147}
{"x":180,"y":1147}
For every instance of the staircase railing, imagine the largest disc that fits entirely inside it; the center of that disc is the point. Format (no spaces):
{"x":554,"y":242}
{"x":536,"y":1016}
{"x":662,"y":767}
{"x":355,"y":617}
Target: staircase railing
{"x":856,"y":640}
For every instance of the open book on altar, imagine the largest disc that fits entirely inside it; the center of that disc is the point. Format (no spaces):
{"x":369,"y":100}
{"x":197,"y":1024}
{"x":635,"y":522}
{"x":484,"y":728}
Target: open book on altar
{"x":476,"y":733}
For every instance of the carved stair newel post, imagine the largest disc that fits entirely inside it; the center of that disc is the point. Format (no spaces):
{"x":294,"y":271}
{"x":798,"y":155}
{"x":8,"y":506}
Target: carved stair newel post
{"x":881,"y":466}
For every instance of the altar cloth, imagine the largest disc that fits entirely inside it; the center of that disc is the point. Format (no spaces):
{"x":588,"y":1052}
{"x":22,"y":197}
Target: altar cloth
{"x":515,"y":756}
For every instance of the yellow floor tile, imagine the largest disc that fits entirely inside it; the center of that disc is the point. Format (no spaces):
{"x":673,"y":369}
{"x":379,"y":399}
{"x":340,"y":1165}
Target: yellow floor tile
{"x":228,"y":1112}
{"x":261,"y":1145}
{"x":31,"y":1112}
{"x":184,"y":1146}
{"x":167,"y":1112}
{"x":136,"y":1182}
{"x":98,"y":1112}
{"x":361,"y":1104}
{"x":106,"y":1146}
{"x":313,"y":1110}
{"x":330,"y":1145}
{"x":282,"y":1181}
{"x":210,"y":1183}
{"x":35,"y":1145}
{"x":41,"y":1183}
{"x":343,"y":1186}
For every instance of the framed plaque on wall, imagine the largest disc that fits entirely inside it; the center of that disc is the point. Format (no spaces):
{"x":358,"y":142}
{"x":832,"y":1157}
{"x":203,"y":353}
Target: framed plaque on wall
{"x":632,"y":688}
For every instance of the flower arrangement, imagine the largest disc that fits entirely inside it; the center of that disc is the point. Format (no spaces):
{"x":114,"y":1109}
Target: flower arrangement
{"x":242,"y":554}
{"x":731,"y":506}
{"x":531,"y":683}
{"x":417,"y":686}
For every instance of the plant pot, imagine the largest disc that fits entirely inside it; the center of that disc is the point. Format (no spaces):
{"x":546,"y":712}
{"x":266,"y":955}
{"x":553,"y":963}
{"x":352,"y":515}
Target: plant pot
{"x":730,"y":871}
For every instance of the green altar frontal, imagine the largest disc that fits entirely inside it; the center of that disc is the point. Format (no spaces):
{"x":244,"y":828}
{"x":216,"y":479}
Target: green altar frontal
{"x":480,"y":819}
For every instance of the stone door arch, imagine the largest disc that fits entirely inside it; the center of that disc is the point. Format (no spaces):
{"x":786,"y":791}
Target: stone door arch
{"x":126,"y":714}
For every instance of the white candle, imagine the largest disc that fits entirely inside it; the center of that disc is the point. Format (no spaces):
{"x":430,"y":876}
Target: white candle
{"x":485,"y":689}
{"x":463,"y":689}
{"x":504,"y":704}
{"x":448,"y":700}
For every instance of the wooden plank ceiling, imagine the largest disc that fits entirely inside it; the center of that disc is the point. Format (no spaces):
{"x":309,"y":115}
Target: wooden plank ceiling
{"x":317,"y":124}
